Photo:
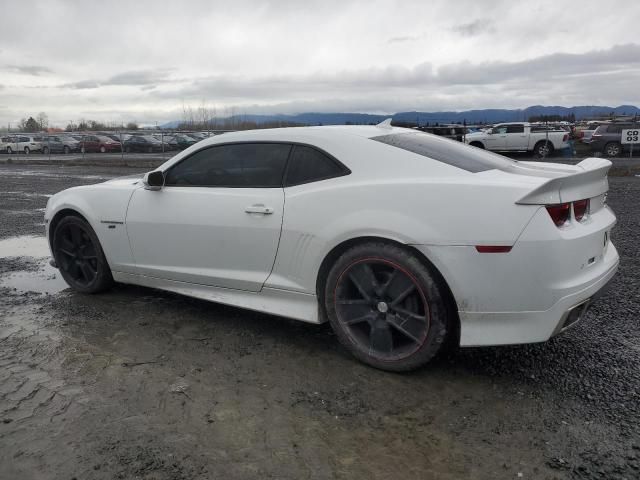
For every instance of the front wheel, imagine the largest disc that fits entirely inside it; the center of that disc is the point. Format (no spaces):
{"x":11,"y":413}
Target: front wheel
{"x":27,"y":151}
{"x":612,"y":149}
{"x":79,"y":256}
{"x":66,"y":150}
{"x":9,"y":150}
{"x":386,"y":307}
{"x":103,"y":150}
{"x":45,"y":150}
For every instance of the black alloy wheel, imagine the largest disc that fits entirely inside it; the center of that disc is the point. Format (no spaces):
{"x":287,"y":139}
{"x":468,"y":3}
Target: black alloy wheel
{"x":79,"y":256}
{"x":386,"y":307}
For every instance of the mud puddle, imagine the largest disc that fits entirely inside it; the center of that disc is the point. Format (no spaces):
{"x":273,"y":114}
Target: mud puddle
{"x":35,"y":275}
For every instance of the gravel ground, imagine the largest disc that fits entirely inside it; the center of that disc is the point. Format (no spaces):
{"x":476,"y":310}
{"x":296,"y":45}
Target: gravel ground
{"x":137,"y":383}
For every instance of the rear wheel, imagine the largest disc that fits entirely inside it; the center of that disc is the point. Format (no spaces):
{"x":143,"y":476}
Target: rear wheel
{"x":66,"y":150}
{"x":612,"y":149}
{"x":543,"y":149}
{"x":27,"y":151}
{"x":45,"y":150}
{"x":9,"y":150}
{"x":103,"y":149}
{"x":150,"y":150}
{"x":79,"y":256}
{"x":386,"y":307}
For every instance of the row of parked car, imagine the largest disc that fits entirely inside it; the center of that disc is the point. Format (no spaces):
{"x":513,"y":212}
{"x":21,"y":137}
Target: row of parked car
{"x":602,"y":137}
{"x":98,"y":142}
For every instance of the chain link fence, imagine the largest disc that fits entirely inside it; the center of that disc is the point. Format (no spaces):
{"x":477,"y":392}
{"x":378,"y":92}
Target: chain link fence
{"x":161,"y":144}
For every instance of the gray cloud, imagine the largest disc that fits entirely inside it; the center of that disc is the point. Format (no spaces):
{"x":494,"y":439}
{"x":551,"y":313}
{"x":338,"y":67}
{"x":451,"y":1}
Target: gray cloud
{"x":404,"y":38}
{"x":474,"y":28}
{"x":28,"y":69}
{"x":144,"y":78}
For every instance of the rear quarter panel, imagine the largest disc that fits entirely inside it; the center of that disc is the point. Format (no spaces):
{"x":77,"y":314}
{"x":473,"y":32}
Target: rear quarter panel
{"x":418,"y":211}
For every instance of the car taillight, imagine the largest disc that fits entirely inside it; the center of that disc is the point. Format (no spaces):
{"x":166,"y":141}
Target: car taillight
{"x":566,"y":137}
{"x":580,"y":209}
{"x":559,"y":213}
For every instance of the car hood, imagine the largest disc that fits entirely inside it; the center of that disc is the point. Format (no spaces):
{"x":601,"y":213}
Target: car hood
{"x":124,"y":181}
{"x":476,"y":134}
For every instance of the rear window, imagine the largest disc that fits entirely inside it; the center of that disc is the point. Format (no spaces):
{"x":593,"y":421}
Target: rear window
{"x":452,"y":153}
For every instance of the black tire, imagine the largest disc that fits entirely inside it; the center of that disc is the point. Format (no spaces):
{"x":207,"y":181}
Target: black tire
{"x":543,"y":149}
{"x":9,"y":150}
{"x":79,"y":256}
{"x":45,"y":150}
{"x":127,"y":149}
{"x":66,"y":150}
{"x":150,"y":150}
{"x":386,"y":307}
{"x":612,"y":149}
{"x":103,"y":149}
{"x":27,"y":151}
{"x":477,"y":145}
{"x":82,"y":149}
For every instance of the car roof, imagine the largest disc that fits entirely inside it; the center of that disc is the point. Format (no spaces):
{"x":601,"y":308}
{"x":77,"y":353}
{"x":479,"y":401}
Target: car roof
{"x":307,"y":134}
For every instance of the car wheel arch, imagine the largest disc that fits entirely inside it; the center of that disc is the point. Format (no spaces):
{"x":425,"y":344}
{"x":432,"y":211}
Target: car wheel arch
{"x":72,"y":210}
{"x":59,"y":215}
{"x":330,"y":258}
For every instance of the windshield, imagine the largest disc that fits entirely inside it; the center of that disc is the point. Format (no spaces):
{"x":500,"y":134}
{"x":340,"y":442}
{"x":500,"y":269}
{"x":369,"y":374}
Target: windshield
{"x":447,"y":151}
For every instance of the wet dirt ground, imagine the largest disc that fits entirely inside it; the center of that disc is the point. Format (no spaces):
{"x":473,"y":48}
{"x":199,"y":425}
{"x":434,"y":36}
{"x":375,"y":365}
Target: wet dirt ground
{"x":136,"y":383}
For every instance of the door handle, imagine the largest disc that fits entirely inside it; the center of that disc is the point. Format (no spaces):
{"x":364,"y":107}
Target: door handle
{"x":259,"y":208}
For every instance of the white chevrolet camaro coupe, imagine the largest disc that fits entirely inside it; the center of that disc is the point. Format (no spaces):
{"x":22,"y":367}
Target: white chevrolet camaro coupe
{"x":404,"y":241}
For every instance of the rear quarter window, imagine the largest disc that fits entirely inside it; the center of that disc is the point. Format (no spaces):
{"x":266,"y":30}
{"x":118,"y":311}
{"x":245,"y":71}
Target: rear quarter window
{"x":451,"y":152}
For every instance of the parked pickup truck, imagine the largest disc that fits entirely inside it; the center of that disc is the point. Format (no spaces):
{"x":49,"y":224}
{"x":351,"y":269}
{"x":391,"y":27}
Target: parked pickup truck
{"x":520,"y":137}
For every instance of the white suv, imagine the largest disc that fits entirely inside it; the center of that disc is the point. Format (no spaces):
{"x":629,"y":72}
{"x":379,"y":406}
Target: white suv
{"x":23,"y":143}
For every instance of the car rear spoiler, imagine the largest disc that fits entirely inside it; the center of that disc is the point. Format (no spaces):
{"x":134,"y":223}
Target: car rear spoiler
{"x":589,"y":183}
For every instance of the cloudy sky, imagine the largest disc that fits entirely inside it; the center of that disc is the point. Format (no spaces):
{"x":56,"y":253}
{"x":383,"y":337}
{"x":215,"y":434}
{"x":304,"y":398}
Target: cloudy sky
{"x":143,"y":60}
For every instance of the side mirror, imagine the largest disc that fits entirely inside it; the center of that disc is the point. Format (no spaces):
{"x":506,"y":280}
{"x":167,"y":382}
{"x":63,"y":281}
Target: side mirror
{"x":153,"y":180}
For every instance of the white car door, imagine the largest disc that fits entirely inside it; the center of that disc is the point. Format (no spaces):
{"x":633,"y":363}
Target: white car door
{"x":497,"y":138}
{"x":217,"y":220}
{"x":516,"y":138}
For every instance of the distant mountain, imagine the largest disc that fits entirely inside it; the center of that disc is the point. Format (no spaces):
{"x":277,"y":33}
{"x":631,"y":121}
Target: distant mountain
{"x":470,"y":116}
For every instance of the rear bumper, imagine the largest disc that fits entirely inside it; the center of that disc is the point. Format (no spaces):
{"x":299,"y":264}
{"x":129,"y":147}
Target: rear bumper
{"x":527,"y":295}
{"x":505,"y":328}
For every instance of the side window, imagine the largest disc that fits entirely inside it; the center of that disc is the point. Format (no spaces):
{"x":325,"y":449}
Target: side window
{"x":499,"y":130}
{"x":23,"y":139}
{"x":310,"y":165}
{"x":515,"y":128}
{"x":236,"y":165}
{"x":614,"y":129}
